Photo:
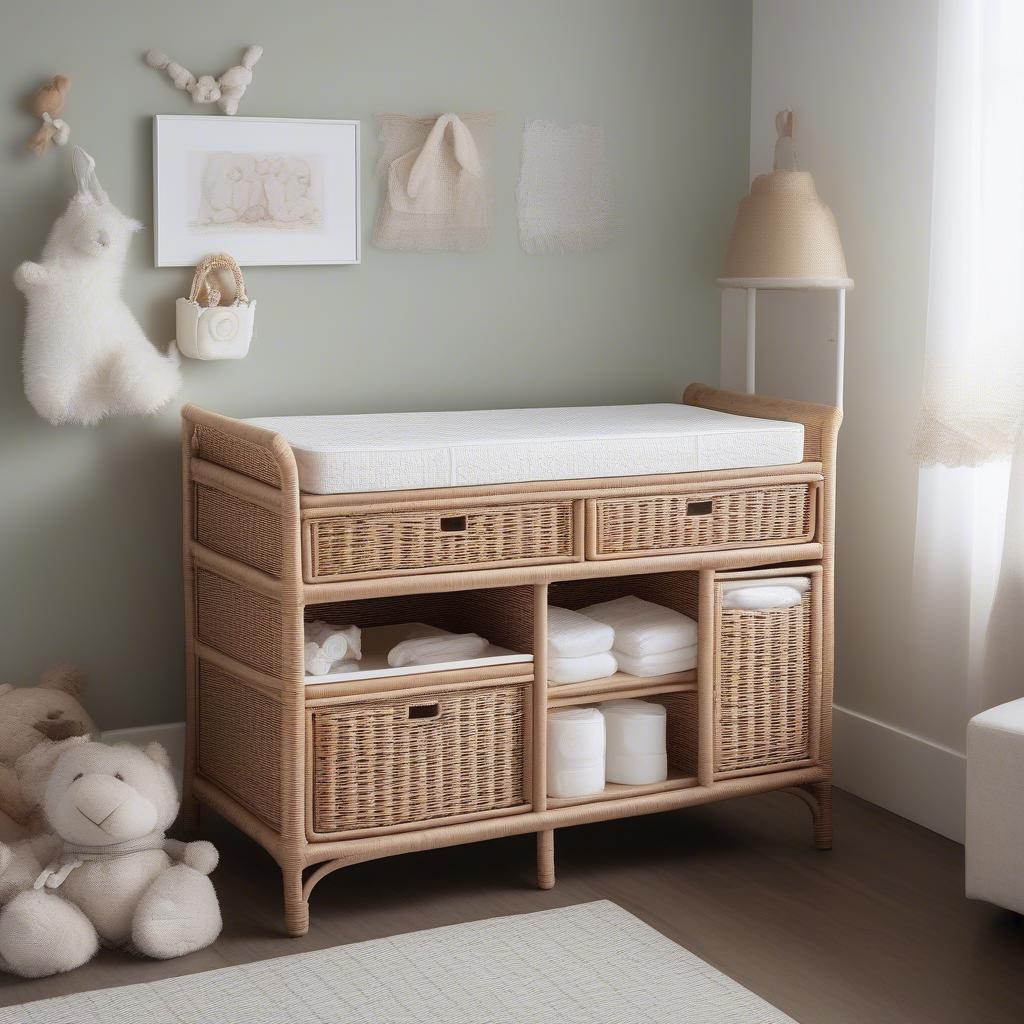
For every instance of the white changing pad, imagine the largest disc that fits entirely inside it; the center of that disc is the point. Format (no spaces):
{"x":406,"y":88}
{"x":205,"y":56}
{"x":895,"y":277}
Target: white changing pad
{"x":399,"y":451}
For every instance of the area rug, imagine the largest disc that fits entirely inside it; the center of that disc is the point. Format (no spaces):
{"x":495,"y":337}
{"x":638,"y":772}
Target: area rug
{"x":589,"y":963}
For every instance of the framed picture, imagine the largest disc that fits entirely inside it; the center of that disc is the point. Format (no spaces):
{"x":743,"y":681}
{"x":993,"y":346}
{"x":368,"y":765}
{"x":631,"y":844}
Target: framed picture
{"x":270,"y":191}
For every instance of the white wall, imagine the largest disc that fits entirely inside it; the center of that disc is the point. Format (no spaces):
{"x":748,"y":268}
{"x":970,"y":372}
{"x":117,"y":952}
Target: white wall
{"x":860,"y":77}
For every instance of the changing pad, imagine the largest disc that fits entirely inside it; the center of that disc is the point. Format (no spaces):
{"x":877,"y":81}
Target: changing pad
{"x":401,"y":451}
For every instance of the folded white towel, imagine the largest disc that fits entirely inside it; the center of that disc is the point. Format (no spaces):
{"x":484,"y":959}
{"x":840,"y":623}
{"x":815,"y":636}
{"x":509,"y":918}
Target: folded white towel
{"x":642,"y":627}
{"x":576,"y":670}
{"x":681,"y":660}
{"x":801,"y":584}
{"x":759,"y":598}
{"x":429,"y":650}
{"x":572,"y":635}
{"x":326,"y":645}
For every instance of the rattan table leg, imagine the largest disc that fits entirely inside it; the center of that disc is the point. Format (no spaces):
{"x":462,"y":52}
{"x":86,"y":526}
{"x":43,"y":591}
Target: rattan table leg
{"x":296,"y":906}
{"x":822,"y":814}
{"x":189,"y":808}
{"x":546,"y":859}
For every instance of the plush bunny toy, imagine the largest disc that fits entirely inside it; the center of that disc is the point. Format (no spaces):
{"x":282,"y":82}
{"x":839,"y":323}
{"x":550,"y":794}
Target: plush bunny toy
{"x":113,"y":877}
{"x":85,"y":354}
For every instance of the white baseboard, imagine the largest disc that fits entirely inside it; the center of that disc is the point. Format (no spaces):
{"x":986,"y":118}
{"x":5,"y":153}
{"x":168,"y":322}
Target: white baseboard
{"x":905,"y":773}
{"x":171,"y":736}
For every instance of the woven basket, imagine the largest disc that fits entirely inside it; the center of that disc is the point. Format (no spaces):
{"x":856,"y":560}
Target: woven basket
{"x":740,"y":517}
{"x":389,"y":543}
{"x":383,"y":763}
{"x":763,"y":693}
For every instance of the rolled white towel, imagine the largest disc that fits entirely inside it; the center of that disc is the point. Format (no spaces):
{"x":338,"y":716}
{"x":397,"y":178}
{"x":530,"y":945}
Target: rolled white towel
{"x":328,"y":646}
{"x":577,"y":670}
{"x":429,"y":650}
{"x":801,"y":584}
{"x":642,"y":627}
{"x":572,"y":635}
{"x":681,"y":660}
{"x":761,"y":598}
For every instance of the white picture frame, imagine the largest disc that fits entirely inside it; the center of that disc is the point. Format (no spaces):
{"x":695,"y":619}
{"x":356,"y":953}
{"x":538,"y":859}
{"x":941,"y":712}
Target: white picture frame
{"x":271,"y":191}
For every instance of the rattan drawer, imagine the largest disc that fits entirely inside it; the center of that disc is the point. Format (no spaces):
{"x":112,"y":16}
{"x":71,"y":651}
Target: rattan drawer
{"x":727,"y":517}
{"x":767,"y":683}
{"x":363,"y":544}
{"x":381,"y":764}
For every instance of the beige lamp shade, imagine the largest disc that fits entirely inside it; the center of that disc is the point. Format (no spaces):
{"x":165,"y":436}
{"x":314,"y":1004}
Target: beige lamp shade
{"x":784,"y":237}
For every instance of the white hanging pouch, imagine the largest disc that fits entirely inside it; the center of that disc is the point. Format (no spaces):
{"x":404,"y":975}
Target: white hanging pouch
{"x":205,"y":328}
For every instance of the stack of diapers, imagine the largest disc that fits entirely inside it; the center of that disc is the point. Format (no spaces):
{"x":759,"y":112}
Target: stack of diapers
{"x":329,"y":649}
{"x":575,"y":752}
{"x":578,"y":647}
{"x":635,"y":747}
{"x":650,"y":640}
{"x":762,"y":594}
{"x":436,"y":648}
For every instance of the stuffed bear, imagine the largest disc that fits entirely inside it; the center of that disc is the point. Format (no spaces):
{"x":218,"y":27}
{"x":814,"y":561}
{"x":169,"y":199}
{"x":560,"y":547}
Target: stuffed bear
{"x":30,"y":717}
{"x":115,"y":879}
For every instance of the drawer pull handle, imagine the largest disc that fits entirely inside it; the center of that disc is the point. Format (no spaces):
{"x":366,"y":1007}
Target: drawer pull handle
{"x":699,"y":508}
{"x":423,"y":711}
{"x":453,"y":524}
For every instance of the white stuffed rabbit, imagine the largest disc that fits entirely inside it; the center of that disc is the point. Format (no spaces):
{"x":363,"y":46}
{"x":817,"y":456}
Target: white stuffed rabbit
{"x":86,"y":356}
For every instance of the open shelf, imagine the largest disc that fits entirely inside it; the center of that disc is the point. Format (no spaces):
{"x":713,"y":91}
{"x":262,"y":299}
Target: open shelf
{"x":614,"y":791}
{"x":622,"y":684}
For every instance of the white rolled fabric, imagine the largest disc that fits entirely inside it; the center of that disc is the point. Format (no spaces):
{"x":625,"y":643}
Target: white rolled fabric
{"x":761,"y":598}
{"x":572,"y":635}
{"x":658,"y":664}
{"x":635,"y":747}
{"x":578,"y":670}
{"x":801,"y":584}
{"x":327,"y":648}
{"x":575,"y":752}
{"x":642,"y":627}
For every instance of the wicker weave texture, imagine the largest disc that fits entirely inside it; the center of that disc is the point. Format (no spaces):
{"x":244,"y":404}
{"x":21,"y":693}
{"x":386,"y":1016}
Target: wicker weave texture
{"x":237,"y":453}
{"x":388,"y":762}
{"x":675,"y":590}
{"x":725,"y":518}
{"x":239,"y":742}
{"x":382,"y":543}
{"x":239,"y":529}
{"x":680,"y":730}
{"x":763,"y":688}
{"x":238,"y":622}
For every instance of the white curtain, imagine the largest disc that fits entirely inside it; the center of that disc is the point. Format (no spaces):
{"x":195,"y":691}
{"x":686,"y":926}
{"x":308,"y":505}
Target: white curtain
{"x":969,"y":558}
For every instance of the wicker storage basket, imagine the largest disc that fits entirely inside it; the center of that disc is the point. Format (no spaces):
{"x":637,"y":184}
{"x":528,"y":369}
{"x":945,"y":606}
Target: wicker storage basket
{"x":393,"y":543}
{"x":736,"y":517}
{"x":765,"y":692}
{"x":387,"y":762}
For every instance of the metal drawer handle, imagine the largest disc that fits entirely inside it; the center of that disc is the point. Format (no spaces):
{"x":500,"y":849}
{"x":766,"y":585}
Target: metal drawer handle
{"x":423,"y":711}
{"x":453,"y":524}
{"x":699,"y":508}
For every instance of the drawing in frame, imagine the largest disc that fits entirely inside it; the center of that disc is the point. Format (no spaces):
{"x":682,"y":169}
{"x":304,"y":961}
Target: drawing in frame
{"x":271,"y":191}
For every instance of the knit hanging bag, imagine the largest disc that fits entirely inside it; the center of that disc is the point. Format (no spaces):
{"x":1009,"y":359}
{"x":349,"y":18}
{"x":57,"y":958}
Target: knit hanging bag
{"x":209,"y":324}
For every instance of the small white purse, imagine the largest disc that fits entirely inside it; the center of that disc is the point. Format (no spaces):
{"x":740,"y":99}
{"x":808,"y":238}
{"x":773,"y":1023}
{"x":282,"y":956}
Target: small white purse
{"x":206,"y":329}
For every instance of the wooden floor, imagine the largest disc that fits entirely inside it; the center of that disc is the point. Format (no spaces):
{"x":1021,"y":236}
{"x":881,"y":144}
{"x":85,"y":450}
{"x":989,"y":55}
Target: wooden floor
{"x":875,"y":931}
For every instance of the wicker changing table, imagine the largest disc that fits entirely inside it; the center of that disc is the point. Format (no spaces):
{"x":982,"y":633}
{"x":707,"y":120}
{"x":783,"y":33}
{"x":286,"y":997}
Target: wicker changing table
{"x":326,"y":775}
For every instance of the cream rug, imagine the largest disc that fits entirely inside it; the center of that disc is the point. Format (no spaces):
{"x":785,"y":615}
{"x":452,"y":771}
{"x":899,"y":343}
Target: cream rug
{"x":592,"y":963}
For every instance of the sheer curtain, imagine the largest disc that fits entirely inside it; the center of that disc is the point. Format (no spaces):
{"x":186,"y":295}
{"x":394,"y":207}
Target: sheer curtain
{"x":969,"y":558}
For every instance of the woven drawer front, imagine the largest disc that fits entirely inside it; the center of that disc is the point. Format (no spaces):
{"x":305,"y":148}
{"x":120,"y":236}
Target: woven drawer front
{"x":239,"y":529}
{"x":388,"y":542}
{"x":239,"y":742}
{"x":388,"y":762}
{"x":672,"y":522}
{"x":763,"y":688}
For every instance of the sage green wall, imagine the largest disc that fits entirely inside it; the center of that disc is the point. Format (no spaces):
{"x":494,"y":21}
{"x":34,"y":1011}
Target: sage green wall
{"x":89,"y":523}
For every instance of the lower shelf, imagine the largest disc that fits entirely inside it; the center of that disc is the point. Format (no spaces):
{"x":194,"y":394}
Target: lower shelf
{"x":620,"y":685}
{"x":614,"y":791}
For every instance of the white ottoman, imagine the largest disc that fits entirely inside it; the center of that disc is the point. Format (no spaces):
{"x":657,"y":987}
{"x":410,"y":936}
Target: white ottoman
{"x":995,"y":806}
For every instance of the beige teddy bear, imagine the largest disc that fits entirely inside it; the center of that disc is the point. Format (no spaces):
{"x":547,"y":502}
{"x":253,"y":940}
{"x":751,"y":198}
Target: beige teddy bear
{"x":115,"y":878}
{"x":30,"y":717}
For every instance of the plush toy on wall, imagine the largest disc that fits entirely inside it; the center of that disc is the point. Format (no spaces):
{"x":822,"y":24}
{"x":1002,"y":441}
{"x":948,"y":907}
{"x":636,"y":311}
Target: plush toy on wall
{"x":33,"y":721}
{"x":116,"y":879}
{"x":47,"y":103}
{"x":225,"y":91}
{"x":85,"y":354}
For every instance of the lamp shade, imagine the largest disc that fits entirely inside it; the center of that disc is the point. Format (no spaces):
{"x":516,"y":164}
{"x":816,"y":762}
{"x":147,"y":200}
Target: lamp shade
{"x":784,"y":236}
